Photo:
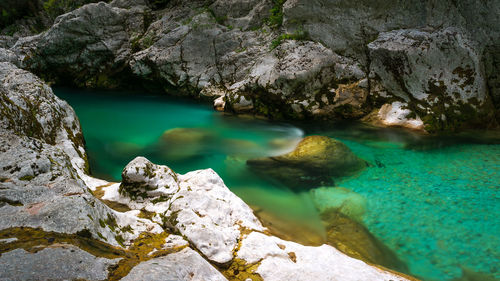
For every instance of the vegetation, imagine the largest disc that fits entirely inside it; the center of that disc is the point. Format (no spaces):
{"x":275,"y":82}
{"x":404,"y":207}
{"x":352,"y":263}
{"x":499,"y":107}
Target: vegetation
{"x":276,"y":17}
{"x":299,"y":34}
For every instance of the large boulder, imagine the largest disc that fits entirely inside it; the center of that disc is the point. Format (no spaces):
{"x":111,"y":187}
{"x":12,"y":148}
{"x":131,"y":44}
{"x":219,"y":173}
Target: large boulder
{"x":315,"y":161}
{"x":87,"y":47}
{"x":437,"y":75}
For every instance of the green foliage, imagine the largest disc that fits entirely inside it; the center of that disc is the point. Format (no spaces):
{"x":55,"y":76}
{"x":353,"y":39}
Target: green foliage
{"x":54,"y":7}
{"x":299,"y":34}
{"x":276,"y":16}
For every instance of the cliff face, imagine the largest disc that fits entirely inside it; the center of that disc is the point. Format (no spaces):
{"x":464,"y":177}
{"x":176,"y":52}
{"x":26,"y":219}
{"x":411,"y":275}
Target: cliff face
{"x":422,"y":64}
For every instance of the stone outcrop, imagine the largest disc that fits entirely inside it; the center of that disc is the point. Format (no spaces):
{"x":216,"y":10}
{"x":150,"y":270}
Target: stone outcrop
{"x":316,"y":161}
{"x":301,"y":59}
{"x":88,"y":47}
{"x":226,"y":231}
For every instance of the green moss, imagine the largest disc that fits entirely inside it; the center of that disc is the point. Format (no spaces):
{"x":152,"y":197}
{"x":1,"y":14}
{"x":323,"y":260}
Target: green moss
{"x":10,"y":202}
{"x":146,"y":214}
{"x":34,"y":240}
{"x":239,"y":269}
{"x":120,"y":240}
{"x":299,"y":34}
{"x":85,"y":233}
{"x":26,"y":178}
{"x":162,"y":198}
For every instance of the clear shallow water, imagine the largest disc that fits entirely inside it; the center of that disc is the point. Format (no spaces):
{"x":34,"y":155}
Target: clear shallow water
{"x":434,"y":201}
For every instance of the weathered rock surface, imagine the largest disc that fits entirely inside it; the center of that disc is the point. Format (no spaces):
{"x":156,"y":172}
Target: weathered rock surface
{"x":279,"y":259}
{"x":183,"y":265}
{"x":197,"y":204}
{"x":43,"y":162}
{"x":315,"y":161}
{"x":62,"y":262}
{"x":83,"y":43}
{"x":436,"y":73}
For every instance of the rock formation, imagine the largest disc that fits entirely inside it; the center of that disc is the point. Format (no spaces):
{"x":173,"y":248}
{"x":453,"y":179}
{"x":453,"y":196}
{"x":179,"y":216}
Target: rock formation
{"x":430,"y":61}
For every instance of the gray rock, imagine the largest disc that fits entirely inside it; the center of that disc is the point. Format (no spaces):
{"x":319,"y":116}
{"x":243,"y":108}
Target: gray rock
{"x":63,"y":262}
{"x":42,"y":163}
{"x":183,"y":265}
{"x":437,"y":72}
{"x":87,"y":45}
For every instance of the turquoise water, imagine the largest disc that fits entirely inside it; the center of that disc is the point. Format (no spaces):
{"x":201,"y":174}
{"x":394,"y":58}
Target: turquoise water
{"x":433,"y":201}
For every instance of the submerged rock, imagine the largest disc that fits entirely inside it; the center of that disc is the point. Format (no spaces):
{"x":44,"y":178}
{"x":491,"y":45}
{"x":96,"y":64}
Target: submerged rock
{"x":341,"y":200}
{"x":315,"y":161}
{"x":183,"y":143}
{"x":353,"y":239}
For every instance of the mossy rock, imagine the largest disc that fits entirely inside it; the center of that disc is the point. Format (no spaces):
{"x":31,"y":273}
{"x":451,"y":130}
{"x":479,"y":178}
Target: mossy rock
{"x":316,"y":161}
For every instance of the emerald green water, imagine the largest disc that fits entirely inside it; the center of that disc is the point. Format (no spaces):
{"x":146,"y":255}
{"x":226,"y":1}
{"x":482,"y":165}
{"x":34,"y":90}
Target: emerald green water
{"x":434,"y":201}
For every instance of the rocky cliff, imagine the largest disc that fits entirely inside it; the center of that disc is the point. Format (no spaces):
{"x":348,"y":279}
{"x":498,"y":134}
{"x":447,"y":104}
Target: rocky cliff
{"x":420,"y":64}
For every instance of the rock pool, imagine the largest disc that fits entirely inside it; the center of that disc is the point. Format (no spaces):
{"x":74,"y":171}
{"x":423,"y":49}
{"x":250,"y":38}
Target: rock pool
{"x":433,"y":200}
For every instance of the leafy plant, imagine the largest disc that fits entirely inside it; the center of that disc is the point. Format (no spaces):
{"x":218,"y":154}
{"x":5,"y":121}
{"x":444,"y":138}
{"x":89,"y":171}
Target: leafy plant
{"x":276,"y":17}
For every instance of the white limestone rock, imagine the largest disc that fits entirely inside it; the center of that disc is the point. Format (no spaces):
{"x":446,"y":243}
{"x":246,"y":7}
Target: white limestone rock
{"x":284,"y":260}
{"x":184,"y":265}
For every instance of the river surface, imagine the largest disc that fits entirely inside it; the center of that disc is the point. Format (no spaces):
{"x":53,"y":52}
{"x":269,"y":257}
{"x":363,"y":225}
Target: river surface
{"x":434,"y":201}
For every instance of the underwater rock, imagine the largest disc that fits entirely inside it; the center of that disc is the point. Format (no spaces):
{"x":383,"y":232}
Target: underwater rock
{"x":341,"y":200}
{"x":183,"y":143}
{"x":291,"y":230}
{"x":315,"y":161}
{"x":353,"y":239}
